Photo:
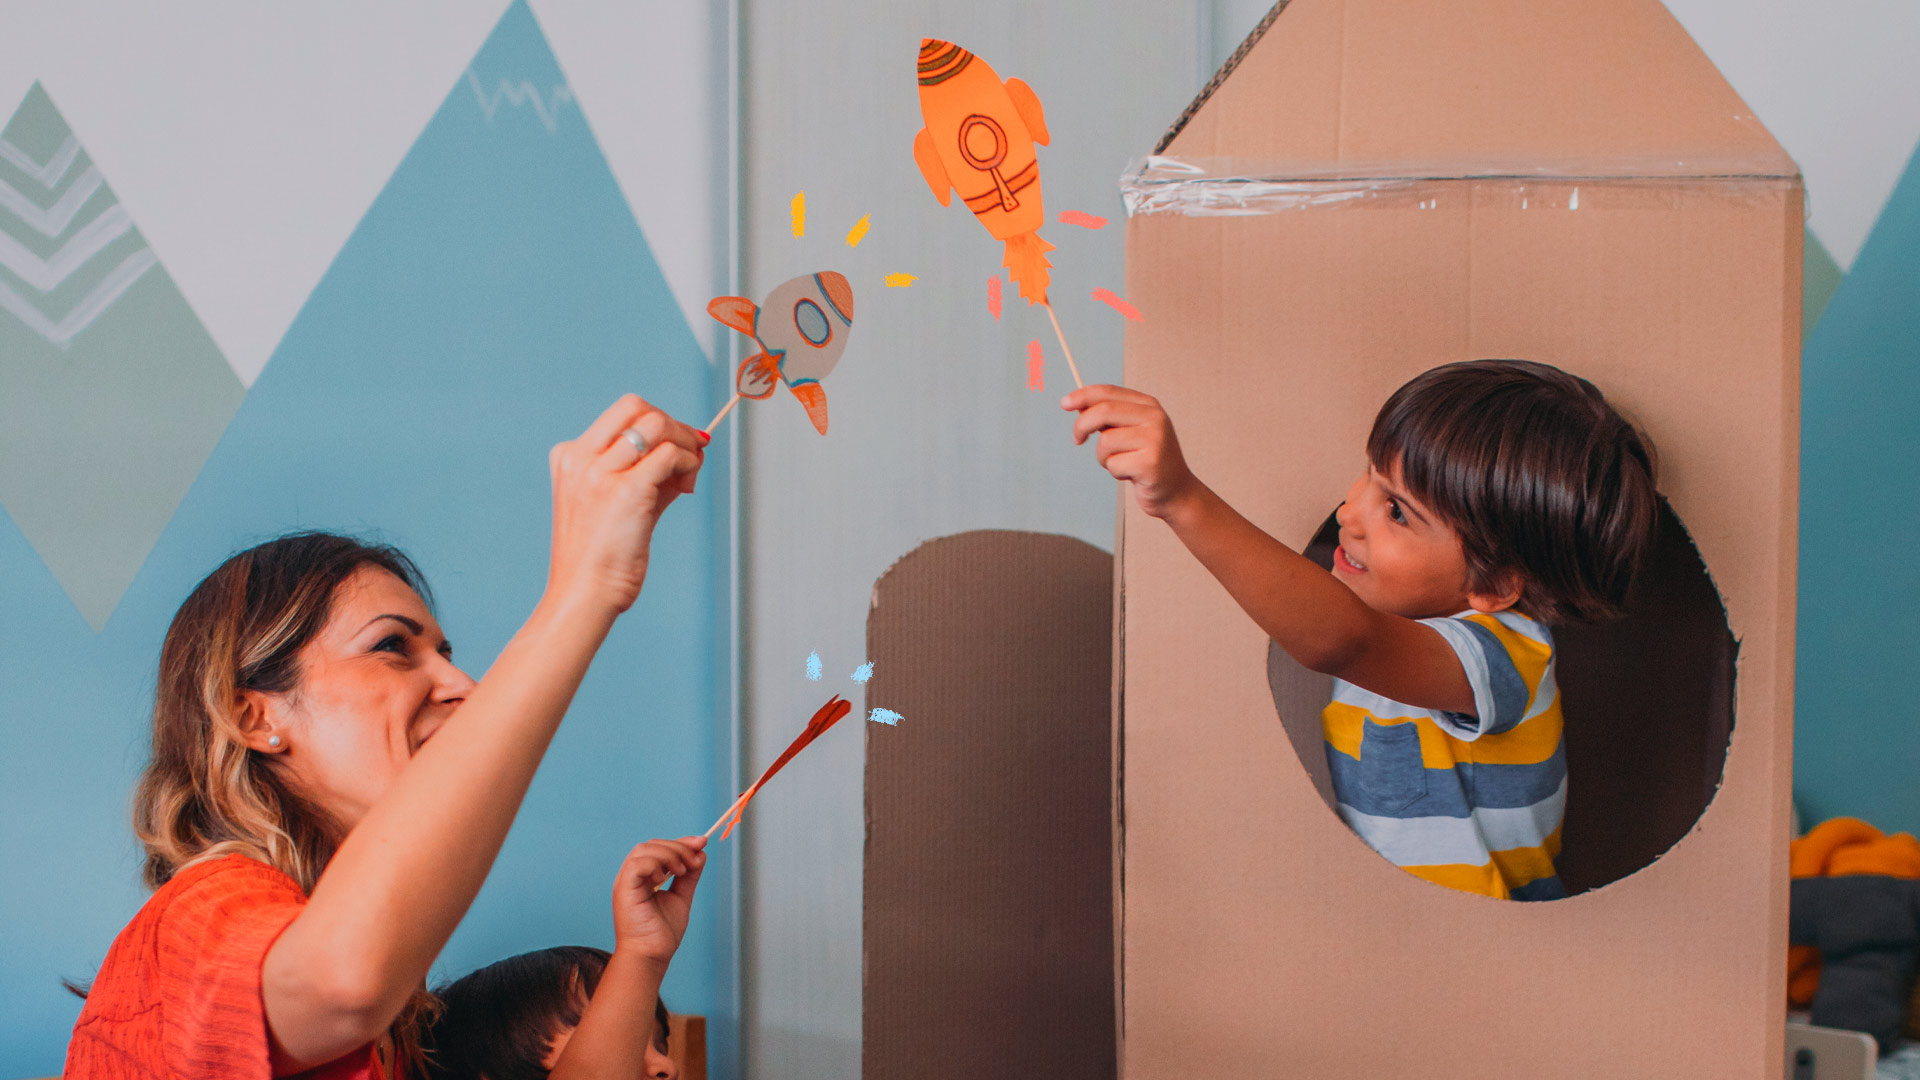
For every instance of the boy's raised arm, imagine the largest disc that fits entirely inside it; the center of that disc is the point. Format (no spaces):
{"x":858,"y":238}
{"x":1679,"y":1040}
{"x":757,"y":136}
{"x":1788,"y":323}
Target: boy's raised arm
{"x":649,"y":921}
{"x":1309,"y":613}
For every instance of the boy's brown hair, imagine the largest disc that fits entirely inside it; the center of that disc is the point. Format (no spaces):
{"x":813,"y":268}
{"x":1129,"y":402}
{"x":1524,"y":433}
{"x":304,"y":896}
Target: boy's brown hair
{"x":1538,"y":474}
{"x":499,"y":1022}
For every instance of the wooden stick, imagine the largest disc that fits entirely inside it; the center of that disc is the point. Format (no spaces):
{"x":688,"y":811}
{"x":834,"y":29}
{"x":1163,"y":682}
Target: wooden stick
{"x":728,"y":813}
{"x":728,"y":407}
{"x":1063,"y":346}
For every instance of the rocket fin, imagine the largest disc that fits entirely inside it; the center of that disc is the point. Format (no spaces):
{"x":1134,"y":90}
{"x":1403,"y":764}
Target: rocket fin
{"x":814,"y":397}
{"x":925,"y":156}
{"x":734,"y":311}
{"x":1027,"y":103}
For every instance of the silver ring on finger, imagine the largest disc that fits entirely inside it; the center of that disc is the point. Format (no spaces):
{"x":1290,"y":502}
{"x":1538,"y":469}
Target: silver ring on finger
{"x":638,"y":440}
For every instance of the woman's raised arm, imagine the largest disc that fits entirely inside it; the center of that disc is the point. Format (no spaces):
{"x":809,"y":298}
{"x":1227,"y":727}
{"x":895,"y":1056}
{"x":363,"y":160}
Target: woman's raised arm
{"x":407,"y":871}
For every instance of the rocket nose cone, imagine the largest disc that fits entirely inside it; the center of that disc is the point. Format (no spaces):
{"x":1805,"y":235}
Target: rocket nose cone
{"x":929,"y":47}
{"x":839,"y":292}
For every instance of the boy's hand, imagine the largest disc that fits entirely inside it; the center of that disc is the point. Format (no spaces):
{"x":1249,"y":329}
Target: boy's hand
{"x":647,"y":920}
{"x":1136,"y":443}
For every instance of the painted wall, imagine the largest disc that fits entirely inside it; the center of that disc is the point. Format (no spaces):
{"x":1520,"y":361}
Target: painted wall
{"x":1842,"y":92}
{"x":825,"y":115}
{"x":360,"y":269}
{"x":934,"y":429}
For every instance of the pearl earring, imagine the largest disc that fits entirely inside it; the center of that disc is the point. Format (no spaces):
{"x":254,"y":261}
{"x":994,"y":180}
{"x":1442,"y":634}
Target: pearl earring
{"x":273,"y":740}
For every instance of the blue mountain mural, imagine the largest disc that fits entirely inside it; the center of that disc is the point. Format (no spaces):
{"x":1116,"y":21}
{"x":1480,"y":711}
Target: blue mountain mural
{"x":496,"y":297}
{"x":1855,"y":739}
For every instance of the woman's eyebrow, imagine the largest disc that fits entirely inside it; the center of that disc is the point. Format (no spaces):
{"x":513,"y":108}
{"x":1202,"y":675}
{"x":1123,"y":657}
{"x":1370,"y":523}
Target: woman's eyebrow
{"x":410,"y":624}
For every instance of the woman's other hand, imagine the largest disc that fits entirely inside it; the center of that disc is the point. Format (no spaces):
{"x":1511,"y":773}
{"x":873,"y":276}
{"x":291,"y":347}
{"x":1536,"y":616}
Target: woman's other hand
{"x":609,"y":490}
{"x":648,"y":921}
{"x":1136,"y":443}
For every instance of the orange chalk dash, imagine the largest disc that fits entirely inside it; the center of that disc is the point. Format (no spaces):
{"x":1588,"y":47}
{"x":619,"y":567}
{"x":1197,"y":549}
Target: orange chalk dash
{"x":1082,"y":219}
{"x":993,"y":296}
{"x":1036,"y":366}
{"x":1109,"y":298}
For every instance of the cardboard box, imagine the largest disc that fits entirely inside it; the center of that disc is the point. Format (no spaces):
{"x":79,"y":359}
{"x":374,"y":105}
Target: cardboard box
{"x":1370,"y":189}
{"x":988,"y":930}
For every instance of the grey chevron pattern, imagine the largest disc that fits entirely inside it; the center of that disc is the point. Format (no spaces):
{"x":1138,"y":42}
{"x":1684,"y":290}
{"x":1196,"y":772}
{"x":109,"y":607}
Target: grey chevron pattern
{"x":68,"y":249}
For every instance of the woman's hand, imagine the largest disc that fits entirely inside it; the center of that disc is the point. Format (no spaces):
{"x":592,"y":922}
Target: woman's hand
{"x":608,"y":495}
{"x":1136,"y":443}
{"x":648,"y":921}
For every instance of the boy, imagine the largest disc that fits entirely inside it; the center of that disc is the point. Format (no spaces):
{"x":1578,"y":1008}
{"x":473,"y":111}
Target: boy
{"x":1498,"y":496}
{"x":578,"y":1011}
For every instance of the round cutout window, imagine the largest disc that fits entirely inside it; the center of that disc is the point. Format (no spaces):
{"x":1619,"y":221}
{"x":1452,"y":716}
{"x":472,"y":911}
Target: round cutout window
{"x":1648,"y":705}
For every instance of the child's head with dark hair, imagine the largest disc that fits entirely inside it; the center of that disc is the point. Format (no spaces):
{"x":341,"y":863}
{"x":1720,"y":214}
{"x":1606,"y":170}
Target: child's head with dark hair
{"x":510,"y":1020}
{"x":1549,"y":489}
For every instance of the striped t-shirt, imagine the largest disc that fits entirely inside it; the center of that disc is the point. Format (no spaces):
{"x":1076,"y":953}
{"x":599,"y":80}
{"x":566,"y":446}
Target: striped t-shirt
{"x":1470,"y":802}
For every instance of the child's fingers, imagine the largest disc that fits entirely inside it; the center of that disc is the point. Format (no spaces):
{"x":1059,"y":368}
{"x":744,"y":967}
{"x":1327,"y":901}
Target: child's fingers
{"x":1087,"y":395}
{"x":1131,"y":465}
{"x":1103,"y":415}
{"x":684,"y":884}
{"x":1098,"y":392}
{"x":1117,"y":441}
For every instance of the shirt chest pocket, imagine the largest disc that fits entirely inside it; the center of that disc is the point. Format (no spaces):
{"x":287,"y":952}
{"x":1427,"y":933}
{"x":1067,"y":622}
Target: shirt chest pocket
{"x":1393,"y":775}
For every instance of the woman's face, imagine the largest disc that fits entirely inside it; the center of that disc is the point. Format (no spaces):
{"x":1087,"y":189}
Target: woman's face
{"x":374,"y":685}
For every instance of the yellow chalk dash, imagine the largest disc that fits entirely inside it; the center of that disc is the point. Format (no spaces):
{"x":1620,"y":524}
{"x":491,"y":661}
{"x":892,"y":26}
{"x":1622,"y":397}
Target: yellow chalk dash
{"x":900,"y":281}
{"x":859,"y":231}
{"x":799,"y":207}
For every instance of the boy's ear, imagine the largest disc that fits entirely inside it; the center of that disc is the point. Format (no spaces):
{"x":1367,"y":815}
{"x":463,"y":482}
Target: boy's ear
{"x":1508,"y":585}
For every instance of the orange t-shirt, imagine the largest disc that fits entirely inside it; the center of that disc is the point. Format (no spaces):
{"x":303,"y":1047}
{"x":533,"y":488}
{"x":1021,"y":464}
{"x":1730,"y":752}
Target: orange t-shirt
{"x":178,"y":996}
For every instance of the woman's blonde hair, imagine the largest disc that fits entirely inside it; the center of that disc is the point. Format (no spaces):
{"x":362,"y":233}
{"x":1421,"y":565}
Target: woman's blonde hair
{"x":206,"y":794}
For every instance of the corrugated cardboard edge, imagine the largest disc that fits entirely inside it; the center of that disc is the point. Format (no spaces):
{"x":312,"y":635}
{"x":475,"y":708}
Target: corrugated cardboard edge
{"x":1221,"y":76}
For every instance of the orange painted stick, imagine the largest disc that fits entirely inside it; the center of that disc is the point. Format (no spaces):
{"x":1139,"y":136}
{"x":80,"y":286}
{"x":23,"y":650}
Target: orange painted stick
{"x":829,"y":715}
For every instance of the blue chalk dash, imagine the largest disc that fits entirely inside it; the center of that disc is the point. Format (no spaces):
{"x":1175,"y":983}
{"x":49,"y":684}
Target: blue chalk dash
{"x":813,"y":666}
{"x":864,"y":672}
{"x":885,"y":716}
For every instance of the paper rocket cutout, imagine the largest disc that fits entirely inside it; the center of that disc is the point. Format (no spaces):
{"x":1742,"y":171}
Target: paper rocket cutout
{"x":829,"y":715}
{"x":801,"y":329}
{"x":979,"y":141}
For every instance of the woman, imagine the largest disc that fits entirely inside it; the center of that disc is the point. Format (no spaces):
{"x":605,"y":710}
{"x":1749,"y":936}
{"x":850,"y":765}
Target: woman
{"x":328,"y":790}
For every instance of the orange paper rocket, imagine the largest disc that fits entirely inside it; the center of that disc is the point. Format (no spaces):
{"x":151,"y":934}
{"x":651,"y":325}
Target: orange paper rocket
{"x":979,"y":141}
{"x":802,"y":329}
{"x":829,"y":715}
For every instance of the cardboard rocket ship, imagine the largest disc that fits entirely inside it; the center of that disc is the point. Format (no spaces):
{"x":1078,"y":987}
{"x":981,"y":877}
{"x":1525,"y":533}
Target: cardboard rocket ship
{"x":801,"y":329}
{"x":979,"y":141}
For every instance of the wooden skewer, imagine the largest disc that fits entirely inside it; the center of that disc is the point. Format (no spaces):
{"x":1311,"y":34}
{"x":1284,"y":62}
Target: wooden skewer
{"x":1071,"y":366}
{"x":727,"y":814}
{"x":735,"y":400}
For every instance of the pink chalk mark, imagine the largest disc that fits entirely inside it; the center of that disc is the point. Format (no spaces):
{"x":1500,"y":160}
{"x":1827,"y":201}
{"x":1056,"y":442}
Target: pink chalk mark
{"x":1036,"y":366}
{"x":1107,"y":297}
{"x":1082,"y":219}
{"x":993,"y":296}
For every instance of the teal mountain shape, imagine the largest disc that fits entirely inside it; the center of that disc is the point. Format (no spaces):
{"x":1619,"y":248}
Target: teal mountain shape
{"x":495,"y":297}
{"x":111,"y":392}
{"x":1855,"y":737}
{"x":1820,"y":279}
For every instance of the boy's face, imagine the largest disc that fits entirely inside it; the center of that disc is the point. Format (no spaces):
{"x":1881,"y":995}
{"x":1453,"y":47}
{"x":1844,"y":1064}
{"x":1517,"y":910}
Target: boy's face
{"x":659,"y":1064}
{"x":1398,"y":556}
